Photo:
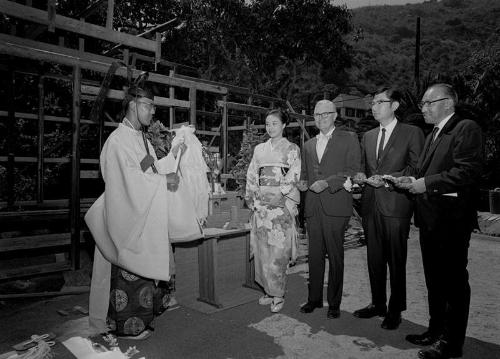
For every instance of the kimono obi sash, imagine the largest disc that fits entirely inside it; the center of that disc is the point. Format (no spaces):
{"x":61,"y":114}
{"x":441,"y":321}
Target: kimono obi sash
{"x":270,"y":182}
{"x":272,"y":175}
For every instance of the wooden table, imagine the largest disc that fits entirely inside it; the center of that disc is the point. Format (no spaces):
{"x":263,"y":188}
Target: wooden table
{"x":223,"y":265}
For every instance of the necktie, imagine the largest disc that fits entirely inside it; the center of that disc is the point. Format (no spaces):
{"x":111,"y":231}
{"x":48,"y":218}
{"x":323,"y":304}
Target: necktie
{"x":434,"y":131}
{"x":433,"y":134}
{"x":381,"y":144}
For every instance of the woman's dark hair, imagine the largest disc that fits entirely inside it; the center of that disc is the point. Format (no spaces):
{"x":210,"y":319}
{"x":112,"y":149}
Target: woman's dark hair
{"x":281,"y":114}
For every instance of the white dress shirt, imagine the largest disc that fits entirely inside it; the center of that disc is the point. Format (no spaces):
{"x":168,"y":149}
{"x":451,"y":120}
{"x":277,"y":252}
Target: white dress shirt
{"x":322,"y":142}
{"x":441,"y":124}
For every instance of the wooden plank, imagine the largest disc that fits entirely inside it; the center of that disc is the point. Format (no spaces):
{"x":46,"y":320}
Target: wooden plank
{"x":224,"y":133}
{"x":32,"y":116}
{"x":51,"y":15}
{"x":74,"y":212}
{"x":192,"y":108}
{"x":119,"y":95}
{"x":40,"y":140}
{"x":34,"y":270}
{"x":243,"y":107}
{"x":158,"y":50}
{"x":110,"y":14}
{"x":34,"y":50}
{"x":65,"y":23}
{"x":47,"y":203}
{"x":37,"y":241}
{"x":48,"y":160}
{"x":71,"y":291}
{"x":208,"y":133}
{"x":11,"y":134}
{"x":234,"y":89}
{"x":89,"y":174}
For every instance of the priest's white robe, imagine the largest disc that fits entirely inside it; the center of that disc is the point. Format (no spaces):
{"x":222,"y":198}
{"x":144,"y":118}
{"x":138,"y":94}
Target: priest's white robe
{"x":129,"y":221}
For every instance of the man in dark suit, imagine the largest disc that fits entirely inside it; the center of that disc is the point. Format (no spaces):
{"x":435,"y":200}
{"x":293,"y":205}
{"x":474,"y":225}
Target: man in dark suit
{"x":327,"y":160}
{"x":392,"y":149}
{"x":445,"y":186}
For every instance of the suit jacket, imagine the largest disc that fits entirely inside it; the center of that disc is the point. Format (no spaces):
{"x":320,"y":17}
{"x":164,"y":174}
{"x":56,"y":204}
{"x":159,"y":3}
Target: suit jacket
{"x":399,"y":158}
{"x":453,"y":166}
{"x":340,"y":159}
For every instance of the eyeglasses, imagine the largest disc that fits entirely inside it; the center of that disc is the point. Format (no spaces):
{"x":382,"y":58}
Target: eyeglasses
{"x":428,"y":103}
{"x":375,"y":103}
{"x":148,"y":105}
{"x":322,"y":115}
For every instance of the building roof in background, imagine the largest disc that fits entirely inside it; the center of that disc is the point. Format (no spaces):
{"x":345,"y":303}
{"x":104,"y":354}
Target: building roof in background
{"x":352,"y":101}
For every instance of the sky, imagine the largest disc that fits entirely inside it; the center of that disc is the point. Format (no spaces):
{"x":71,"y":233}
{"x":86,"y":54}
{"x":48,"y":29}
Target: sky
{"x":359,"y":3}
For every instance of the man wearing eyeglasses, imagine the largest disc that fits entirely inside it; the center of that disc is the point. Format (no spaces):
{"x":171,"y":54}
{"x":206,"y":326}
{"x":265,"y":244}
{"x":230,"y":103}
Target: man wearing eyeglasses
{"x":327,"y":160}
{"x":445,"y":187}
{"x":391,"y":149}
{"x":129,"y":222}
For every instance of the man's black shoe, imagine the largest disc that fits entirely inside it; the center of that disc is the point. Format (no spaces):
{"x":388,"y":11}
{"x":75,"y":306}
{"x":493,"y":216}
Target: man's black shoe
{"x":440,"y":350}
{"x":333,"y":313}
{"x":369,"y":312}
{"x":426,"y":338}
{"x":391,"y":321}
{"x":310,"y":306}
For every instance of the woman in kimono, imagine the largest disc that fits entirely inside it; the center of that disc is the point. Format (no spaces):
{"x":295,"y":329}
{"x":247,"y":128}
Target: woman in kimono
{"x":272,"y":194}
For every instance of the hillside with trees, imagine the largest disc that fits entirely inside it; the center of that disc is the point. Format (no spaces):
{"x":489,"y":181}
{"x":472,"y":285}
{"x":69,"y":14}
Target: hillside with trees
{"x":452,"y":33}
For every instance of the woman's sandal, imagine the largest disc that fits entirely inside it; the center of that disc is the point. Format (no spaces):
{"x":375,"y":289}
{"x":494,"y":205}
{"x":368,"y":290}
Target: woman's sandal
{"x":265,"y":300}
{"x":277,"y":304}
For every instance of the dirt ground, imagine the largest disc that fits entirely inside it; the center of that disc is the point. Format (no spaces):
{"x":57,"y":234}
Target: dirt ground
{"x":251,"y":331}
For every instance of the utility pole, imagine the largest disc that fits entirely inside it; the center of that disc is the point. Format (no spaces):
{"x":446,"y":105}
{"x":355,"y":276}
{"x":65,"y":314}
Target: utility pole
{"x":417,"y":57}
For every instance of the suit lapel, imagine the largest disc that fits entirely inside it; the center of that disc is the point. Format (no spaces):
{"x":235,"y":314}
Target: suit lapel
{"x":428,"y":156}
{"x":314,"y":153}
{"x":371,"y":148}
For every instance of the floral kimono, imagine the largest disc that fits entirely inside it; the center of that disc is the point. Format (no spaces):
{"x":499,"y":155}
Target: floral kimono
{"x":272,"y":193}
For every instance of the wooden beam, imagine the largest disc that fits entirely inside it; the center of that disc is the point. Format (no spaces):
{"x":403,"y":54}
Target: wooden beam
{"x":11,"y":135}
{"x":91,"y":9}
{"x":192,"y":108}
{"x":158,"y":50}
{"x":68,"y":24}
{"x":110,"y":14}
{"x":50,"y":203}
{"x":34,"y":270}
{"x":51,"y":15}
{"x":37,"y":241}
{"x":32,"y":116}
{"x":12,"y":45}
{"x":242,"y":107}
{"x":72,"y":291}
{"x":171,"y":95}
{"x":224,"y":132}
{"x":75,"y":170}
{"x":119,"y":95}
{"x":40,"y":140}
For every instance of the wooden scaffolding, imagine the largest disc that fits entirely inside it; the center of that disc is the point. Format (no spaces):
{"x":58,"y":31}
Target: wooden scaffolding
{"x":180,"y":103}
